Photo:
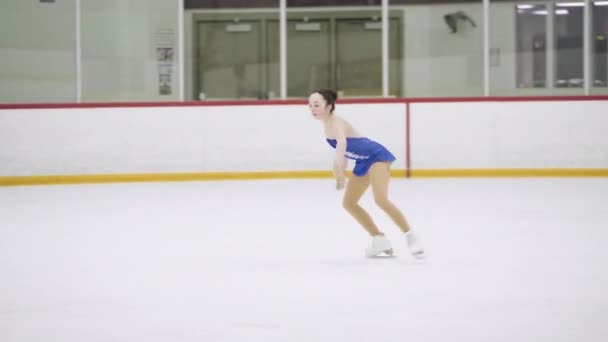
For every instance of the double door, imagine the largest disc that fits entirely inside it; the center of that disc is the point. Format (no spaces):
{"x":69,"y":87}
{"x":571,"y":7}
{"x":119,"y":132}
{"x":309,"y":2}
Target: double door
{"x":239,"y":59}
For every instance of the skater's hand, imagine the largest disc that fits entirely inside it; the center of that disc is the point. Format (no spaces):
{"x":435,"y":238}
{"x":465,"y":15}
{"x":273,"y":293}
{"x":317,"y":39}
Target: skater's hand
{"x":339,"y":174}
{"x":340,"y":182}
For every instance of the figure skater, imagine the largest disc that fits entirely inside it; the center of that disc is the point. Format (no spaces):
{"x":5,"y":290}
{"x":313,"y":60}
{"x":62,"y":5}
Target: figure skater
{"x":372,"y":167}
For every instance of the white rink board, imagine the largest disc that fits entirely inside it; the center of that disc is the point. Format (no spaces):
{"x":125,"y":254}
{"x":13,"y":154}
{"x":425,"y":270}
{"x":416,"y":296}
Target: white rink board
{"x":553,"y":134}
{"x":182,"y":139}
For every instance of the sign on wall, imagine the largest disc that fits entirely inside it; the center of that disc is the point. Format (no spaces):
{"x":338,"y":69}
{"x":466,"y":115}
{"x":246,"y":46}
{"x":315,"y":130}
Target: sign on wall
{"x":165,"y":39}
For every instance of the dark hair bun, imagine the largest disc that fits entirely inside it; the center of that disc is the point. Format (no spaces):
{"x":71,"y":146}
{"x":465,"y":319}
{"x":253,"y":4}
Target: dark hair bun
{"x":334,"y":94}
{"x":330,"y":97}
{"x":329,"y":94}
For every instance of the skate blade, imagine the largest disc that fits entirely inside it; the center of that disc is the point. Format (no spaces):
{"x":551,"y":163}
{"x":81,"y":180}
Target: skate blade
{"x":387,"y":254}
{"x":419,"y":255}
{"x":382,"y":256}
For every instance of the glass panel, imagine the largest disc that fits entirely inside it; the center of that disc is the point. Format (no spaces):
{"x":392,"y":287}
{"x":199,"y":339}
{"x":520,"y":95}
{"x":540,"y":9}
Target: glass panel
{"x":308,"y":55}
{"x":396,"y":44}
{"x":444,"y":50}
{"x":536,"y":48}
{"x":600,"y":46}
{"x":325,"y":50}
{"x":228,"y":54}
{"x":358,"y":70}
{"x":37,"y":51}
{"x":129,"y":50}
{"x":359,"y":56}
{"x":229,"y":63}
{"x":569,"y":45}
{"x":531,"y":26}
{"x":518,"y":49}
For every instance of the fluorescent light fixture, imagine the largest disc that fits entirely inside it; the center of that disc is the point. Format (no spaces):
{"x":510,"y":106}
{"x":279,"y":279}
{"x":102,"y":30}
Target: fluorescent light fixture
{"x":600,"y":3}
{"x":561,"y":11}
{"x":526,"y":6}
{"x":570,"y":4}
{"x":541,"y":12}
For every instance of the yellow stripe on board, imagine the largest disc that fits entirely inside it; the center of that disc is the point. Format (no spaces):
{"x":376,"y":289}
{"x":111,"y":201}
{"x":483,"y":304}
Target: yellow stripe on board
{"x":158,"y":177}
{"x":169,"y":177}
{"x":217,"y":176}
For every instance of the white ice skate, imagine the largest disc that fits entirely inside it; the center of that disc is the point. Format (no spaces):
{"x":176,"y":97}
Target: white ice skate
{"x":380,"y":244}
{"x":414,"y":245}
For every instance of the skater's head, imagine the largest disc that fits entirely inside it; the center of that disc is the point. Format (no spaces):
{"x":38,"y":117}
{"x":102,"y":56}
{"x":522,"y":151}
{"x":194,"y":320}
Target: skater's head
{"x":322,"y":103}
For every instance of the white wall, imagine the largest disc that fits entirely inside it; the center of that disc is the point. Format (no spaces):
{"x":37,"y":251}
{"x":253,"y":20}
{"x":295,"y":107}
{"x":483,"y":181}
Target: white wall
{"x":37,"y":54}
{"x":286,"y":138}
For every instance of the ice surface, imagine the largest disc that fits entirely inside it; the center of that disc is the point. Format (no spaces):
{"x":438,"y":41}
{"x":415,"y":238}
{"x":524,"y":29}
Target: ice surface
{"x":280,"y":260}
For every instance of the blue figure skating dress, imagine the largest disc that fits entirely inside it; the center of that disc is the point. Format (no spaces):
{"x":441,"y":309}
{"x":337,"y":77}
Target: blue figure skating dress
{"x":365,"y":152}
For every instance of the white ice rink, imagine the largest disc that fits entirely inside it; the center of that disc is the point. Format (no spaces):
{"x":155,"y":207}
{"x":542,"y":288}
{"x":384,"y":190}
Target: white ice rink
{"x":508,"y":260}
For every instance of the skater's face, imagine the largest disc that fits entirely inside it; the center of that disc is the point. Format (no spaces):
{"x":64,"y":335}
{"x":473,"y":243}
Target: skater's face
{"x":318,"y":106}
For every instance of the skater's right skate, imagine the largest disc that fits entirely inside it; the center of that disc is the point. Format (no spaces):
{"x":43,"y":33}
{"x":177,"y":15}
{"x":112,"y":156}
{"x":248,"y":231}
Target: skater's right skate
{"x":380,"y":244}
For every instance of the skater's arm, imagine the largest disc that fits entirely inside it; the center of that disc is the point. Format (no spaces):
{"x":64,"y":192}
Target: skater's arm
{"x":340,"y":160}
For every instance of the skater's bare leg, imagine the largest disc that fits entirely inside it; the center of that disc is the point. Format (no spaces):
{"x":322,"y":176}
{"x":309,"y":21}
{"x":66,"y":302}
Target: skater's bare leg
{"x":355,"y":188}
{"x":379,"y":176}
